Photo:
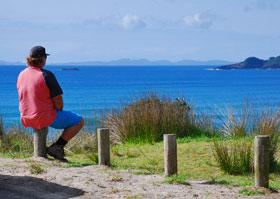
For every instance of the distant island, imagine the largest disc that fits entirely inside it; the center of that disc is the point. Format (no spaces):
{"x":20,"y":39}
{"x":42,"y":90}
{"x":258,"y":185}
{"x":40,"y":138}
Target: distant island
{"x":254,"y":63}
{"x":134,"y":62}
{"x":69,"y":68}
{"x":146,"y":62}
{"x":4,"y":63}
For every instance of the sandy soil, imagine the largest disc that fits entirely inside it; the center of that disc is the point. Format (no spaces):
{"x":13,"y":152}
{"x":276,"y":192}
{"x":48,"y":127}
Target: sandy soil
{"x":56,"y":181}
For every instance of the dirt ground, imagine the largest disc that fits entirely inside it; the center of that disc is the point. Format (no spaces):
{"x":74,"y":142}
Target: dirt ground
{"x":58,"y":182}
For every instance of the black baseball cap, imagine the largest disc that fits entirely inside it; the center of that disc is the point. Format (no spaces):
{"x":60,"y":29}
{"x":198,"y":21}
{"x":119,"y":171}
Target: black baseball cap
{"x":38,"y":52}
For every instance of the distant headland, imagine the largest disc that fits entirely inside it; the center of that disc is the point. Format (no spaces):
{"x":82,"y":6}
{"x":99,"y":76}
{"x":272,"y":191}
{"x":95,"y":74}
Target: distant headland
{"x":254,"y":63}
{"x":134,"y":62}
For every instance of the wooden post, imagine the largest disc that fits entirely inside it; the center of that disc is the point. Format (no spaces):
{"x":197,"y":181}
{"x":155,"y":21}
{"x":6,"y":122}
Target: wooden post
{"x":261,"y":160}
{"x":170,"y":154}
{"x":40,"y":139}
{"x":103,"y":146}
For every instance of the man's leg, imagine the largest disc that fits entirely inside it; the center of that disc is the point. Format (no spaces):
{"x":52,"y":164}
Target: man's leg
{"x":70,"y":132}
{"x":65,"y":118}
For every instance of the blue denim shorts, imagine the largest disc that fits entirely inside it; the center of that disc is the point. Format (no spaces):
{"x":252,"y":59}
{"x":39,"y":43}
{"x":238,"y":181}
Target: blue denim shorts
{"x":65,"y":119}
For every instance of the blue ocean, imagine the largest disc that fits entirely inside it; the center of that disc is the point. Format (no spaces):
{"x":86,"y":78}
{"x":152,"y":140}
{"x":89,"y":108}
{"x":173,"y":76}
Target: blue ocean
{"x":94,"y":89}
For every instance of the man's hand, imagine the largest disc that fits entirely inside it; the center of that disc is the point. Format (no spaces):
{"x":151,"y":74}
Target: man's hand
{"x":58,"y":102}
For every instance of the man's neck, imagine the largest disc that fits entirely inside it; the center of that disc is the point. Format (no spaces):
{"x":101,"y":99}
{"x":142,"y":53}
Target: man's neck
{"x":35,"y":66}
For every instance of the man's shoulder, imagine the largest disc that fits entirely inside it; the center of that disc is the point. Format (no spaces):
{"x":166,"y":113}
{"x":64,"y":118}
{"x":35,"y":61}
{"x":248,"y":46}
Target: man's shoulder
{"x":47,"y":73}
{"x":27,"y":72}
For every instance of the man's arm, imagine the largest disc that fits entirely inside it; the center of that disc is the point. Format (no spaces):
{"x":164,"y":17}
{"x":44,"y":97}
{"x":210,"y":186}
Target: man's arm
{"x":55,"y":89}
{"x":58,"y":102}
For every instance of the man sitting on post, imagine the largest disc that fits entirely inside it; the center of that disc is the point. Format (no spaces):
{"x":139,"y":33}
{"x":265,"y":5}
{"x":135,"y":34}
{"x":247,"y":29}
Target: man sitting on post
{"x":41,"y":104}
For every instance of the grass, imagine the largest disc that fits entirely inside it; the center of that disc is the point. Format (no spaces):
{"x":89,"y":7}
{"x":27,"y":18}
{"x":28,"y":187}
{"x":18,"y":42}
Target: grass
{"x":35,"y":167}
{"x":16,"y":143}
{"x":84,"y":142}
{"x":146,"y":120}
{"x":136,"y":132}
{"x":177,"y":179}
{"x":128,"y":156}
{"x":234,"y":156}
{"x":196,"y":161}
{"x":251,"y":191}
{"x":117,"y":178}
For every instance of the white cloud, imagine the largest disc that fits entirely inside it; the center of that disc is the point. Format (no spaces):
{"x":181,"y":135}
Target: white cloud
{"x":131,"y":22}
{"x":199,"y":20}
{"x":126,"y":22}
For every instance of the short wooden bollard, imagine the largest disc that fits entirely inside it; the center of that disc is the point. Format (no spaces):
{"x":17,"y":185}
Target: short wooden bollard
{"x":103,"y":146}
{"x":170,"y":154}
{"x":40,"y":139}
{"x":261,"y":160}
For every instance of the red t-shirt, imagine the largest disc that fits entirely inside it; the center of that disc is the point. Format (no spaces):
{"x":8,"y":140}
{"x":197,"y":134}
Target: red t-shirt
{"x":36,"y":87}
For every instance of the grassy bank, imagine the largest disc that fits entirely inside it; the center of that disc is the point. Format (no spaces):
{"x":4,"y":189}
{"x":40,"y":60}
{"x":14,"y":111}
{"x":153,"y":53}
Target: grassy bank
{"x":196,"y":161}
{"x":221,"y":155}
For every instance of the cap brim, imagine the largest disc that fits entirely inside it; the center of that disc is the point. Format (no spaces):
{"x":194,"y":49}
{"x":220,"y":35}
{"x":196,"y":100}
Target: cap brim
{"x":47,"y":54}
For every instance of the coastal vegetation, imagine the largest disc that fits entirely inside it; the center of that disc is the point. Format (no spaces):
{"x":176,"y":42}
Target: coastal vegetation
{"x":220,"y":154}
{"x":148,"y":118}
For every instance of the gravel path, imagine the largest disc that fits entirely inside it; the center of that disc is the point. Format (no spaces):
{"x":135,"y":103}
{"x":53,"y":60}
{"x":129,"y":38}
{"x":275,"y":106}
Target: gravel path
{"x":16,"y":181}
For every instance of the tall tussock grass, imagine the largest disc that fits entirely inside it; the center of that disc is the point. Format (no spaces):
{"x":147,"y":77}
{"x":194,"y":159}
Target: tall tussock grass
{"x":148,"y":118}
{"x":268,"y":123}
{"x":233,"y":157}
{"x":84,"y":142}
{"x":16,"y":142}
{"x":238,"y":124}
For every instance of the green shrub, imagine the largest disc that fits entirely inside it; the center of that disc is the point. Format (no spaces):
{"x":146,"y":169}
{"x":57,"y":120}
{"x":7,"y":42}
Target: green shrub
{"x":248,"y":122}
{"x":234,"y":156}
{"x":148,"y":118}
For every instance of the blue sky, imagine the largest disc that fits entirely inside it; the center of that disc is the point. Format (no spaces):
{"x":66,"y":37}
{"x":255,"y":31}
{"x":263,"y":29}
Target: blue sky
{"x":83,"y":30}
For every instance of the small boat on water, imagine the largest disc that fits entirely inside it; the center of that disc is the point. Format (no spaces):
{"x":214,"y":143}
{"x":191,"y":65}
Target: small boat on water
{"x":69,"y":68}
